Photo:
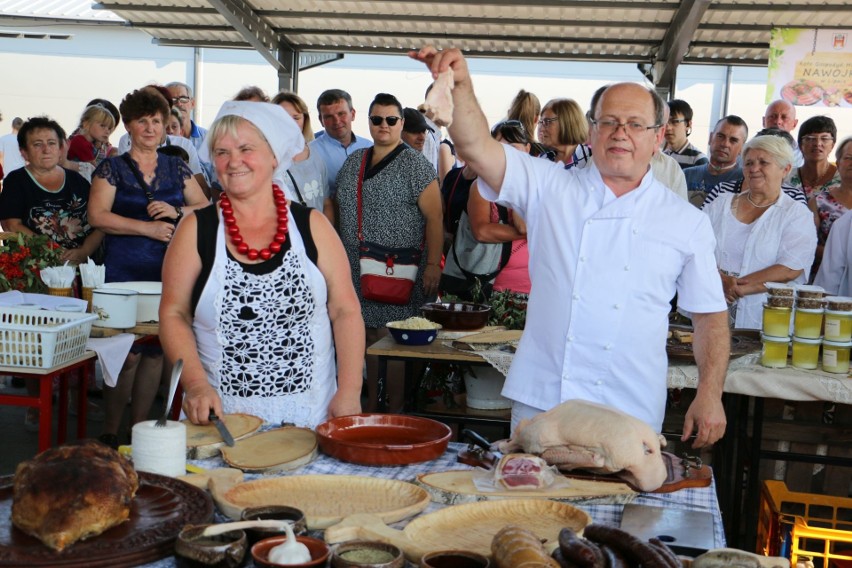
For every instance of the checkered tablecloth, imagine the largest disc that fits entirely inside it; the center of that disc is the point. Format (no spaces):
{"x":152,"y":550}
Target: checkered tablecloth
{"x":703,"y":499}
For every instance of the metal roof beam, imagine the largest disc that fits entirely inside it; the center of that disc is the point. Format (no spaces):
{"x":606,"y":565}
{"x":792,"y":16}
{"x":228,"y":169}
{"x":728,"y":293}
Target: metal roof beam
{"x":254,"y":29}
{"x":675,"y":43}
{"x":119,"y":7}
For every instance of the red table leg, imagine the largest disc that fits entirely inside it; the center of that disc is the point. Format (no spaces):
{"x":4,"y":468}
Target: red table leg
{"x":83,"y":397}
{"x":62,"y":427}
{"x":45,"y":409}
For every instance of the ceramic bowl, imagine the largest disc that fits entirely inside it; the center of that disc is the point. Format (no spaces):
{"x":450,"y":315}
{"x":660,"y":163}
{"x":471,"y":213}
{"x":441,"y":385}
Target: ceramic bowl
{"x":457,"y":316}
{"x":454,"y":559}
{"x":355,"y":554}
{"x":383,"y":439}
{"x":275,"y":513}
{"x":221,"y":551}
{"x":412,"y":336}
{"x":318,"y":548}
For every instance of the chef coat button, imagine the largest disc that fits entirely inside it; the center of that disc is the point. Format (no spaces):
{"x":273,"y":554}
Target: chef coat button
{"x":589,"y":222}
{"x":582,"y":259}
{"x":608,"y":346}
{"x":598,"y":383}
{"x":635,"y":231}
{"x":617,"y":306}
{"x":570,"y":338}
{"x":576,"y":296}
{"x":626,"y":267}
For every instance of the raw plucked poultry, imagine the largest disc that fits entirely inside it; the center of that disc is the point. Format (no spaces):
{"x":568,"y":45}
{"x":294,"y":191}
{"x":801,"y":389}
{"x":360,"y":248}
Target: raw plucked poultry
{"x":439,"y":102}
{"x":72,"y":492}
{"x":583,"y":435}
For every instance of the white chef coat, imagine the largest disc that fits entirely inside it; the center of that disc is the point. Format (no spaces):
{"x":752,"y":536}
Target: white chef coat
{"x":834,"y":274}
{"x":785,"y":234}
{"x":603,"y":271}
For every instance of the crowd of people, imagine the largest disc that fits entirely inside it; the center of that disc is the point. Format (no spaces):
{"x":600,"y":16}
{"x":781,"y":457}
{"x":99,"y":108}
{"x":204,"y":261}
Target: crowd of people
{"x":259,"y":228}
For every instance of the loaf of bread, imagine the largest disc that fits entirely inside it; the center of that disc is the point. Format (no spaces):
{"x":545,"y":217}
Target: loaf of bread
{"x":516,"y":547}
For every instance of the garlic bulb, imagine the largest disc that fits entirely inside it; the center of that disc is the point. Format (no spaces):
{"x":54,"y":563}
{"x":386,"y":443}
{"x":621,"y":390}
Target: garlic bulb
{"x":291,"y":551}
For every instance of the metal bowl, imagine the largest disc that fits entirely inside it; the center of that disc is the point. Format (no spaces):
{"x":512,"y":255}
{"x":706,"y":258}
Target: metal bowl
{"x":383,"y":439}
{"x":413,"y":336}
{"x":457,"y":316}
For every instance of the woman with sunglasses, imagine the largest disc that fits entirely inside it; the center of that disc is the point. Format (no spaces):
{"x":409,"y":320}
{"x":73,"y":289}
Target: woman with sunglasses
{"x":488,"y":225}
{"x":563,"y":127}
{"x":400,"y":207}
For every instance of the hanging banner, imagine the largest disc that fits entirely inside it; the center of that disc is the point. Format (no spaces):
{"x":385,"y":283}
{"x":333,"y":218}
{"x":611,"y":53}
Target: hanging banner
{"x":810,"y":67}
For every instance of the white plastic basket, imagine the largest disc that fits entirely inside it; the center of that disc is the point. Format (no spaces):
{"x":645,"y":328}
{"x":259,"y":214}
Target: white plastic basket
{"x":40,"y":338}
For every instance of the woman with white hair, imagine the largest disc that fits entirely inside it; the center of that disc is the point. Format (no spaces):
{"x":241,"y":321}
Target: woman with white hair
{"x":257,"y":294}
{"x":762,"y":235}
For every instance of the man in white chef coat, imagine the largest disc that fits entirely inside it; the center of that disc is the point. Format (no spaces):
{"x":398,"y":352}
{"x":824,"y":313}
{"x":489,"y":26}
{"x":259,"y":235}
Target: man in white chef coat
{"x":609,"y":247}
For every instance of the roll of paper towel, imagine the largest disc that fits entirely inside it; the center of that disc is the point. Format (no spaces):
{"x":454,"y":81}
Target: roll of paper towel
{"x":160,"y":450}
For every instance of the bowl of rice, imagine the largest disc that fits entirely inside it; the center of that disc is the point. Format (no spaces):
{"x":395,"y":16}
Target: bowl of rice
{"x":414,"y":331}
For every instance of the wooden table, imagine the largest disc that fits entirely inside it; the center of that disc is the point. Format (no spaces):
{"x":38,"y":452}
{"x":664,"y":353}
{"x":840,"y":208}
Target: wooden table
{"x":44,"y":401}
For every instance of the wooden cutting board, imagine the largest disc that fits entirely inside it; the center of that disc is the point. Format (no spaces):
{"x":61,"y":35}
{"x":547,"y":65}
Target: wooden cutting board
{"x":457,"y":486}
{"x":203,"y":442}
{"x":281,"y":449}
{"x":496,"y":337}
{"x":471,"y":526}
{"x":325,"y":499}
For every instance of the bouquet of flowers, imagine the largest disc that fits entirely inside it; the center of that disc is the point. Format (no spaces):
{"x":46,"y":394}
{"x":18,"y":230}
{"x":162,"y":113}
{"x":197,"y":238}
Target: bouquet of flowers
{"x":21,"y":259}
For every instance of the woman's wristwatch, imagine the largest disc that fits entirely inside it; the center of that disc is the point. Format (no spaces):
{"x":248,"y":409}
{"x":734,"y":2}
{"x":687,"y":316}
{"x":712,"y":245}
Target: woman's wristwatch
{"x":179,"y":210}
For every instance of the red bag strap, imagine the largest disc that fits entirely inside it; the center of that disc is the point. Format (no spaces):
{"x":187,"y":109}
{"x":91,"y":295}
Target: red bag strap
{"x":360,"y":189}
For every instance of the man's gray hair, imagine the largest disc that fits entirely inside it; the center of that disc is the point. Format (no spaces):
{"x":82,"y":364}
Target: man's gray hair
{"x":660,"y":106}
{"x":175,"y":84}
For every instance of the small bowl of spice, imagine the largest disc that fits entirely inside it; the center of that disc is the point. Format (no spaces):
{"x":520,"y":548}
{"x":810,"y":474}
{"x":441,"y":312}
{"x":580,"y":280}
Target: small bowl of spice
{"x":366,"y":554}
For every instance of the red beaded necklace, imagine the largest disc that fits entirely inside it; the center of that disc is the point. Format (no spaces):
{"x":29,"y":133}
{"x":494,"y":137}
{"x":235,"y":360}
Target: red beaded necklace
{"x":237,"y":239}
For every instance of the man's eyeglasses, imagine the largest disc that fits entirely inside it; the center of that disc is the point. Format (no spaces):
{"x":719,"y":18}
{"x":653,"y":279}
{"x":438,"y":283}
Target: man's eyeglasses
{"x":182,"y":100}
{"x":547,"y":121}
{"x":809,"y":139}
{"x":391,"y":120}
{"x":675,"y":121}
{"x":607,"y":126}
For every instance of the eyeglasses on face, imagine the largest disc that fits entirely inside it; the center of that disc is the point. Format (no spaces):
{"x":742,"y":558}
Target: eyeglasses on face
{"x":391,"y":120}
{"x":547,"y":121}
{"x":810,"y":139}
{"x":676,"y":121}
{"x":182,"y":100}
{"x":608,"y":126}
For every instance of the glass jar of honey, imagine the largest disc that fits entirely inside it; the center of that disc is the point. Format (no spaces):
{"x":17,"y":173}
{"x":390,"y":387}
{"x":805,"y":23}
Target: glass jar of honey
{"x":807,"y":324}
{"x":835,"y":356}
{"x":774,"y":352}
{"x":776,"y":321}
{"x":806,"y":352}
{"x":838,"y":326}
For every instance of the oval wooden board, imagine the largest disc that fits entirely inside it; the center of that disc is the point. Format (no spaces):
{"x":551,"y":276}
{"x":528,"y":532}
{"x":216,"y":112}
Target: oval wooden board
{"x":465,"y":527}
{"x":203,"y":442}
{"x":457,"y":486}
{"x":280,"y":449}
{"x":325,"y":499}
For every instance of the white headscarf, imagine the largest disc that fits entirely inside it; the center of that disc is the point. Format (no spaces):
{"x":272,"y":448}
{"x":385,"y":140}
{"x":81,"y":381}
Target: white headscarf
{"x":281,"y":131}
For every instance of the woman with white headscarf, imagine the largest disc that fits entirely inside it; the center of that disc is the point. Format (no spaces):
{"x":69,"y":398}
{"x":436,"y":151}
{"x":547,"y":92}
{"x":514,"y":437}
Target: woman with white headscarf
{"x":257,"y":294}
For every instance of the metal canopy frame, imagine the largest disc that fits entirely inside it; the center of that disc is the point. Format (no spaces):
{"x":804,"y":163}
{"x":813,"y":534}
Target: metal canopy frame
{"x":657,"y":35}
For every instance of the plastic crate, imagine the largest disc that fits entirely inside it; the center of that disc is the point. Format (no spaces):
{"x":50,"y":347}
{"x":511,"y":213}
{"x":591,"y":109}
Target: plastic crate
{"x":42,"y":339}
{"x":795,"y":525}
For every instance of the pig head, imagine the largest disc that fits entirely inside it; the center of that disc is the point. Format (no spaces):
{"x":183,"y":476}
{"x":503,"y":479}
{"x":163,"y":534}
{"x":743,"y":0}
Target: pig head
{"x":584,"y":435}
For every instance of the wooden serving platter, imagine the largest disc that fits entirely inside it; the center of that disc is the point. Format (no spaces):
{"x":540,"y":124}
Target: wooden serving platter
{"x":457,"y":486}
{"x":325,"y":499}
{"x":204,"y":442}
{"x":471,"y":526}
{"x":486,"y":338}
{"x":281,"y":449}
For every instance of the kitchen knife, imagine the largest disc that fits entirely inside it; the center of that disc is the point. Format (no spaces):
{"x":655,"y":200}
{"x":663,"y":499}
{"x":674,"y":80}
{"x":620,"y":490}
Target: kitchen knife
{"x":223,"y":430}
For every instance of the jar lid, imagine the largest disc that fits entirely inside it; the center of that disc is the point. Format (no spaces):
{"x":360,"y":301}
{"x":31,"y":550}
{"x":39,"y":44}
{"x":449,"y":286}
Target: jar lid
{"x":774,"y":338}
{"x":779,"y":308}
{"x":797,"y":339}
{"x":837,"y":343}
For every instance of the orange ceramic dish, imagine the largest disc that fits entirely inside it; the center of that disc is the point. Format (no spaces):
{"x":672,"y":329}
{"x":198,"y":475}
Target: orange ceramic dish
{"x":383,"y":439}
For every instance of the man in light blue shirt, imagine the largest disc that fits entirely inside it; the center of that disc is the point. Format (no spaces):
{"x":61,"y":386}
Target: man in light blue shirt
{"x":336,"y":114}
